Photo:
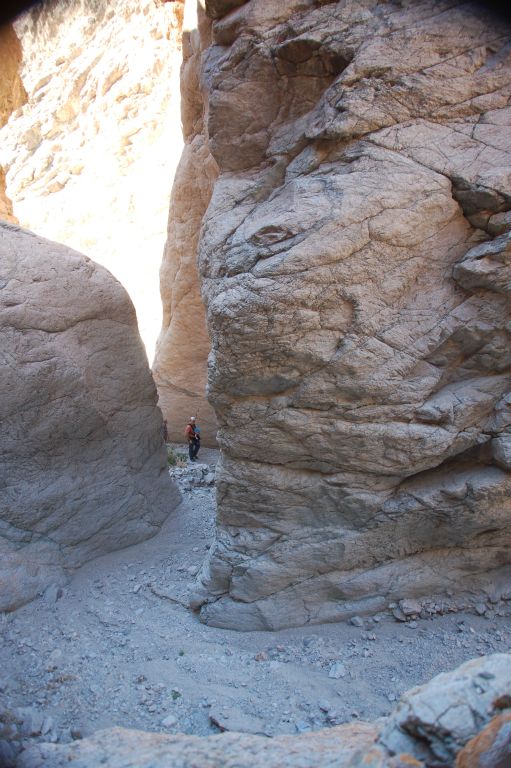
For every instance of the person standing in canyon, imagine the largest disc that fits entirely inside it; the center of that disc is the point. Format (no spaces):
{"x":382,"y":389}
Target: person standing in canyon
{"x":192,"y":434}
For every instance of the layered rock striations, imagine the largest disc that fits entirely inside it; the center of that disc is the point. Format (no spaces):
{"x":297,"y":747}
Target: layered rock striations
{"x":354,"y":260}
{"x":180,"y":365}
{"x":83,"y":470}
{"x":89,"y":159}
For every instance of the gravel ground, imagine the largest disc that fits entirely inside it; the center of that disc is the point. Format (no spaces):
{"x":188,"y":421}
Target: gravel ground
{"x":118,"y":647}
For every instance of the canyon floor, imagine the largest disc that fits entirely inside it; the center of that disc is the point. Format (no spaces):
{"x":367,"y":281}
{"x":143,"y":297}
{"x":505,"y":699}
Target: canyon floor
{"x":117,"y":646}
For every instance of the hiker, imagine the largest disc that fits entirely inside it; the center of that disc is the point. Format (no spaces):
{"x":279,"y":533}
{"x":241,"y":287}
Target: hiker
{"x":165,"y":431}
{"x":196,"y":441}
{"x":191,"y":435}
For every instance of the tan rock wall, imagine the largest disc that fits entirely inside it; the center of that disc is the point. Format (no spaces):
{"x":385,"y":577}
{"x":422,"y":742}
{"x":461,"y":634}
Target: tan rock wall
{"x":180,"y":365}
{"x":90,"y":158}
{"x":355,"y":266}
{"x":12,"y":97}
{"x":83,"y":469}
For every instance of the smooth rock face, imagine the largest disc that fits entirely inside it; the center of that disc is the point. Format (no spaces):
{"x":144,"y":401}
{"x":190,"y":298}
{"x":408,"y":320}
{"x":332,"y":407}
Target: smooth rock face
{"x":180,"y":364}
{"x":83,"y":470}
{"x":89,"y":159}
{"x":354,"y":261}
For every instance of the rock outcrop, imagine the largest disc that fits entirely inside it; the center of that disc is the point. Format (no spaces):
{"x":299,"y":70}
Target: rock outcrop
{"x":83,"y":468}
{"x":89,"y":159}
{"x":432,"y":737}
{"x":12,"y":97}
{"x":354,"y":261}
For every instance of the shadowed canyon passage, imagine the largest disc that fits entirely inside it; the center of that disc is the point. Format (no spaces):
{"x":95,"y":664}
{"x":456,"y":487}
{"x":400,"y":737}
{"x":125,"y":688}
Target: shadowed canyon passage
{"x":338,"y":249}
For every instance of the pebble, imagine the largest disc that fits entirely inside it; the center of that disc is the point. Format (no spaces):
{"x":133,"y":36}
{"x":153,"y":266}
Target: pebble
{"x":169,"y":722}
{"x":337,"y":670}
{"x":357,"y":621}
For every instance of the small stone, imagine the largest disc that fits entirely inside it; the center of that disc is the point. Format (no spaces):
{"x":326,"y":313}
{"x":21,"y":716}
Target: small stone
{"x":357,"y":621}
{"x":301,"y":726}
{"x":480,"y":609}
{"x":137,"y":588}
{"x":337,"y":670}
{"x":169,"y":722}
{"x":193,"y":570}
{"x":410,"y":607}
{"x":261,"y":656}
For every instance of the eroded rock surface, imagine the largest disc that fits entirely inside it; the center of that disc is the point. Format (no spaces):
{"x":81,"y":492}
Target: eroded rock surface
{"x":354,"y":262}
{"x":89,"y":159}
{"x":83,"y":468}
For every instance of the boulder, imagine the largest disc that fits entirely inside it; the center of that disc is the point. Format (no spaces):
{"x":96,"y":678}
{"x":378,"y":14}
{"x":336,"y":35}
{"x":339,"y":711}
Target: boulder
{"x":83,"y":466}
{"x":434,"y":721}
{"x":354,"y":259}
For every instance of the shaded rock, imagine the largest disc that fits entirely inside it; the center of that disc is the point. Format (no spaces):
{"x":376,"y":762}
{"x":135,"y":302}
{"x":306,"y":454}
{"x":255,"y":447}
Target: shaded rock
{"x":359,"y":319}
{"x":84,"y":470}
{"x":434,"y":721}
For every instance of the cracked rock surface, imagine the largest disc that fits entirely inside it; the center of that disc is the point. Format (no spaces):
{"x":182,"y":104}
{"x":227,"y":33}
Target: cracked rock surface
{"x":83,"y":468}
{"x":354,"y":262}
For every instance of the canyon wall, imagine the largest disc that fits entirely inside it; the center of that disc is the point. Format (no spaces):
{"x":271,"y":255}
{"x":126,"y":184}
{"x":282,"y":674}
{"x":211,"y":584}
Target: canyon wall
{"x":180,"y":365}
{"x":83,"y":469}
{"x":12,"y":97}
{"x":89,"y":159}
{"x":354,"y":260}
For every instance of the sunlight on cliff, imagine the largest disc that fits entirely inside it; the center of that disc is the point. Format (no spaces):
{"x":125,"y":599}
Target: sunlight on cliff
{"x":90,"y":159}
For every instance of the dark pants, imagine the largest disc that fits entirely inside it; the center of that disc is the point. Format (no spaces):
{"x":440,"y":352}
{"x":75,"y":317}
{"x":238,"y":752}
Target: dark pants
{"x":193,"y":449}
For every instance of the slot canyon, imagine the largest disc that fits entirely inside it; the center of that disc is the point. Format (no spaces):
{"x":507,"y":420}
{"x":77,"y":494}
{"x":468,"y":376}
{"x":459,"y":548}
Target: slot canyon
{"x":293,"y":221}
